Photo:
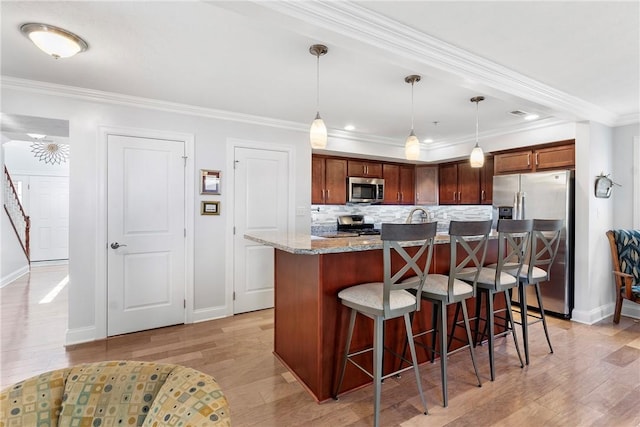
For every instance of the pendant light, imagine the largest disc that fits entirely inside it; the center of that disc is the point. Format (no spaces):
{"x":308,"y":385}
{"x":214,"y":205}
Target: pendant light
{"x":477,"y":155}
{"x":318,"y":131}
{"x":412,"y":145}
{"x":54,"y":41}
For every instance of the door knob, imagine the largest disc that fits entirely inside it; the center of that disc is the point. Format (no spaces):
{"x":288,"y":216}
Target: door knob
{"x":116,"y":245}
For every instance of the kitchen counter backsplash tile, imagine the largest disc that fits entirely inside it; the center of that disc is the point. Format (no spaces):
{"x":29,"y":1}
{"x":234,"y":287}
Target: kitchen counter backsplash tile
{"x":324,"y":217}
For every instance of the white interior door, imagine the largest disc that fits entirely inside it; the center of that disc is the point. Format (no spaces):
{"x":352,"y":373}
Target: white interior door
{"x":146,"y":233}
{"x":49,"y":213}
{"x":261,"y":203}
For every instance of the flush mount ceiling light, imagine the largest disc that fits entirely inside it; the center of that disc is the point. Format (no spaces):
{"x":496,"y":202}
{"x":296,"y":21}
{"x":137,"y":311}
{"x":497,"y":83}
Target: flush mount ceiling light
{"x":54,"y":41}
{"x":318,"y":131}
{"x":412,"y":145}
{"x":477,"y":155}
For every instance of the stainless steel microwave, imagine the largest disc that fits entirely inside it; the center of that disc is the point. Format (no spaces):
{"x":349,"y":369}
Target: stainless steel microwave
{"x":365,"y":190}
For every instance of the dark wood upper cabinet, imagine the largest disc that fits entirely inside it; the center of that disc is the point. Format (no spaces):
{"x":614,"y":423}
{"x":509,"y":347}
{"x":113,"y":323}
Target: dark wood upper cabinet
{"x":459,"y":184}
{"x":363,"y":168}
{"x":427,"y":185}
{"x":486,"y":181}
{"x":328,"y":181}
{"x":558,"y":155}
{"x":399,"y":184}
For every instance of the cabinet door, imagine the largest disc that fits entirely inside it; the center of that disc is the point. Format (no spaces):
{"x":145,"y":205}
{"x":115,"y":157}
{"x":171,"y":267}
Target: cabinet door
{"x":513,"y":162}
{"x":364,"y":169}
{"x":486,"y":182}
{"x":468,"y":184}
{"x":407,"y":184}
{"x":335,"y":181}
{"x":562,"y":157}
{"x":391,"y":175}
{"x":448,"y":184}
{"x":317,"y":180}
{"x":427,"y":185}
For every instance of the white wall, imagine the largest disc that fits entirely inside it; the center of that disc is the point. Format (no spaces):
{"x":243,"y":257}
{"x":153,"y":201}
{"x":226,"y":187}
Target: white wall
{"x":622,"y":173}
{"x":85,"y":117}
{"x":593,"y":154}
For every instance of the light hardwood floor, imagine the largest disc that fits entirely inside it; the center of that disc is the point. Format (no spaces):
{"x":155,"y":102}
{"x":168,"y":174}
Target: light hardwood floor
{"x":592,"y":379}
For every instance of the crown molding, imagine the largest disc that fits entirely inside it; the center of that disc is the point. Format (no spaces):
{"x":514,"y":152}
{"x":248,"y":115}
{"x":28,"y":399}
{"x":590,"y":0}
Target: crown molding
{"x":45,"y":88}
{"x":357,"y":22}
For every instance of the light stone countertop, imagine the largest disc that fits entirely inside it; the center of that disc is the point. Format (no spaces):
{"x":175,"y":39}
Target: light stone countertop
{"x":306,"y":244}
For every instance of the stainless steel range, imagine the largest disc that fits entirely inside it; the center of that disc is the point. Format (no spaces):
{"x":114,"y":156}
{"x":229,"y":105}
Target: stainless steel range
{"x":355,"y":225}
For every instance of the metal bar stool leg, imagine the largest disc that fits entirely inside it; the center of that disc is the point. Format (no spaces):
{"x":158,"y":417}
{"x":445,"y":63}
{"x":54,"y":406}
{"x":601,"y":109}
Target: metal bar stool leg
{"x":378,"y":348}
{"x":507,"y":298}
{"x":443,"y":352}
{"x":414,"y":360}
{"x":434,"y":331}
{"x":524,"y":321}
{"x":491,"y":321}
{"x":544,"y":320}
{"x":465,"y":315}
{"x":352,"y":322}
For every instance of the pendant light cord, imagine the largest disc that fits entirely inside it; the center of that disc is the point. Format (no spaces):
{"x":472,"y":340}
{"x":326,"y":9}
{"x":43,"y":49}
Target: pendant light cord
{"x":412,"y":106}
{"x":477,"y":110}
{"x":318,"y":83}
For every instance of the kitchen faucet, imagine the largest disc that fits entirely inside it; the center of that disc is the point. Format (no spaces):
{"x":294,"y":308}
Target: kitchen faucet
{"x":425,"y":215}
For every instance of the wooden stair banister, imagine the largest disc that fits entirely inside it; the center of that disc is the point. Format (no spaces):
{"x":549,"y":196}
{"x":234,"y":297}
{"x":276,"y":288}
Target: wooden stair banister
{"x":11,"y":196}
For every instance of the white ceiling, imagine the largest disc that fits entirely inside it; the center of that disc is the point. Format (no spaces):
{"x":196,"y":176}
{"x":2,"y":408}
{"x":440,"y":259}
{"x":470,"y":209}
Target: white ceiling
{"x":565,"y":60}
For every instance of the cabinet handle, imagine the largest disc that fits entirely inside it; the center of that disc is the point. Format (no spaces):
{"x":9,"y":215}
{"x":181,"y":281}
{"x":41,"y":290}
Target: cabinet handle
{"x":454,"y":195}
{"x":398,"y":196}
{"x":537,"y":159}
{"x":327,"y":193}
{"x":528,"y":159}
{"x":322,"y":195}
{"x":459,"y":195}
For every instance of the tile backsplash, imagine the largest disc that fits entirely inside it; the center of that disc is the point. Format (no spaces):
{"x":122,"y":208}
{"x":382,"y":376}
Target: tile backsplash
{"x":324,"y":217}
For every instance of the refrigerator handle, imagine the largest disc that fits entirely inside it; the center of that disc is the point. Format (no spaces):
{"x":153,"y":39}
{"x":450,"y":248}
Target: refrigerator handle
{"x":523,"y":199}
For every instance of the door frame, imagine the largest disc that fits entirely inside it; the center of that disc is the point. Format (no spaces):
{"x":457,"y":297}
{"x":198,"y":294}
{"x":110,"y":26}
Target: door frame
{"x":232,"y":144}
{"x":101,"y":231}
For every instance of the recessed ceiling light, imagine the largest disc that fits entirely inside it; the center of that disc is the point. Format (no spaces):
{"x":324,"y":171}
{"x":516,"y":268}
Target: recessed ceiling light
{"x":36,"y":135}
{"x":531,"y":116}
{"x":349,"y":127}
{"x":428,"y":140}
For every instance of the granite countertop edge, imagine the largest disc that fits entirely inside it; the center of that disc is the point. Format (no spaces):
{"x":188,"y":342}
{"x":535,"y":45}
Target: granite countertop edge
{"x":306,"y":244}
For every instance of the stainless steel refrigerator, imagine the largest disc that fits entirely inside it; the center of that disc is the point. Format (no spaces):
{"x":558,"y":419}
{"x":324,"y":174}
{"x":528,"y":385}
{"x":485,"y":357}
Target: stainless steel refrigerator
{"x":543,"y":195}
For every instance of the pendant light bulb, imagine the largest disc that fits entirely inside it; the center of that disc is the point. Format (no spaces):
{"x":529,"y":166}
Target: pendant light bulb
{"x":318,"y":131}
{"x":412,"y":144}
{"x":476,"y":159}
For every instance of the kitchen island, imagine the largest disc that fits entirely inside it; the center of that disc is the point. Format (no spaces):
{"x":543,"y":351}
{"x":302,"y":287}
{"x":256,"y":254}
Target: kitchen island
{"x":311,"y":323}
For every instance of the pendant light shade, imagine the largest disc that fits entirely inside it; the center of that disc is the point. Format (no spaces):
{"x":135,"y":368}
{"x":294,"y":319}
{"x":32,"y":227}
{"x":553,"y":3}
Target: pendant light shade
{"x":54,"y":41}
{"x":476,"y":159}
{"x":318,"y":131}
{"x":412,"y":144}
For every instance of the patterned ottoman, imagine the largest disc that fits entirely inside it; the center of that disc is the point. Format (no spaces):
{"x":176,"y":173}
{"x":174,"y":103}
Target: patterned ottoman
{"x":116,"y":393}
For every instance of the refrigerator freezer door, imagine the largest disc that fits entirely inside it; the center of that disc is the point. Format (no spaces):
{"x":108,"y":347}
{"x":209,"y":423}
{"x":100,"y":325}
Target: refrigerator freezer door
{"x":548,"y":196}
{"x":505,"y":188}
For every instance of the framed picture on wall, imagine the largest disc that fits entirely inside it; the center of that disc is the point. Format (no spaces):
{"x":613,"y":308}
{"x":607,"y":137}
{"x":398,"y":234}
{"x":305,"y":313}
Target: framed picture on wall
{"x":210,"y":208}
{"x":209,"y":182}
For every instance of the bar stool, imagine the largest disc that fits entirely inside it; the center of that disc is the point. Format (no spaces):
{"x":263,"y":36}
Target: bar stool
{"x":443,"y":290}
{"x":513,"y":242}
{"x":382,"y":301}
{"x":545,"y":240}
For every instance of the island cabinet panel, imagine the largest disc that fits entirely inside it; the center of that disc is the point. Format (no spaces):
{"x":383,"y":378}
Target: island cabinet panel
{"x":365,"y":169}
{"x":311,"y":323}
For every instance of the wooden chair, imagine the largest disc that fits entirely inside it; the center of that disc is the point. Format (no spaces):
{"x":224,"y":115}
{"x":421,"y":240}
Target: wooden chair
{"x":625,"y":256}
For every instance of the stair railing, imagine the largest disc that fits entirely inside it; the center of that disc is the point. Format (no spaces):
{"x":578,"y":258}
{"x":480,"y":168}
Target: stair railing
{"x":19,"y":220}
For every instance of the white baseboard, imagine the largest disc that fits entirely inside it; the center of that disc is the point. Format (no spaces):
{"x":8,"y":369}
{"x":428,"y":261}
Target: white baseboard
{"x":80,"y":335}
{"x":590,"y":317}
{"x":630,"y":309}
{"x":14,"y":275}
